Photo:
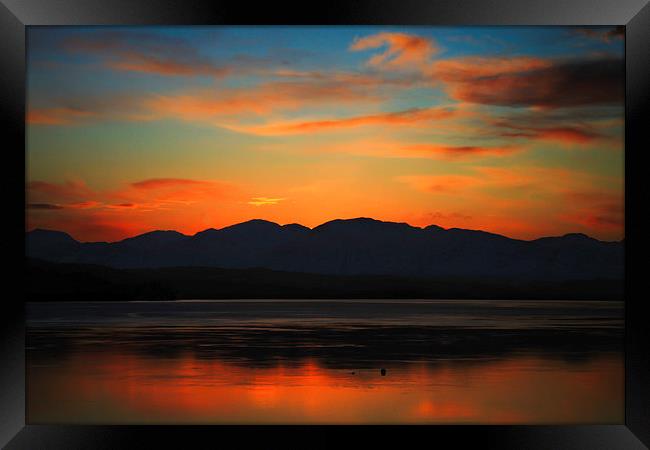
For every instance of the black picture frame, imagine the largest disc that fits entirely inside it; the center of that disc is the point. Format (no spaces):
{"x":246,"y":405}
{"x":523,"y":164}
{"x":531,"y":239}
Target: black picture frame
{"x":16,"y":15}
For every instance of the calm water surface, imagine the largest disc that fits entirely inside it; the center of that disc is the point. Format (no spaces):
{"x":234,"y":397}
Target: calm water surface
{"x":319,"y":362}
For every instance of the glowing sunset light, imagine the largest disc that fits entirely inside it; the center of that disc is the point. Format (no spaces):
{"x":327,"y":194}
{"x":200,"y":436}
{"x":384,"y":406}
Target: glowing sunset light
{"x":516,"y":131}
{"x":260,"y":201}
{"x":187,"y":389}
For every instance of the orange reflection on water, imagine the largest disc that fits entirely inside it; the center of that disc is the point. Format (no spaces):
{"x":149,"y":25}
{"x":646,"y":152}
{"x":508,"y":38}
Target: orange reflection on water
{"x":116,"y":388}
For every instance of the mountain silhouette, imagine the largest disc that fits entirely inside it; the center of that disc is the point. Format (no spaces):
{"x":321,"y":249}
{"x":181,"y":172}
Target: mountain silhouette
{"x":351,"y":247}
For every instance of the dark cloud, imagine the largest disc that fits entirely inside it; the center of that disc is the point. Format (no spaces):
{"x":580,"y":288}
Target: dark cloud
{"x":571,"y":126}
{"x":156,"y":183}
{"x":67,"y":191}
{"x":45,"y":206}
{"x":466,"y":151}
{"x":562,"y":134}
{"x":562,"y":84}
{"x":602,"y":34}
{"x":616,"y":32}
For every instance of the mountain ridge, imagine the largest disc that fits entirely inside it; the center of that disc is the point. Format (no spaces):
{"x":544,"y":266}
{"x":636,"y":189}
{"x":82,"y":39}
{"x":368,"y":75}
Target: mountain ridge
{"x":361,"y":246}
{"x":357,"y":219}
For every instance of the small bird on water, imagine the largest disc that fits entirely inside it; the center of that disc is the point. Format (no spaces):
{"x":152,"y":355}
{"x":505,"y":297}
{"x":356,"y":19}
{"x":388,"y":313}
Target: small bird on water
{"x":383,"y":372}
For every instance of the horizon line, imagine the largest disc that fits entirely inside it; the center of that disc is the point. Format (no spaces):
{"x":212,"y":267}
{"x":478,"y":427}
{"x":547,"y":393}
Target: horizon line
{"x":317,"y":226}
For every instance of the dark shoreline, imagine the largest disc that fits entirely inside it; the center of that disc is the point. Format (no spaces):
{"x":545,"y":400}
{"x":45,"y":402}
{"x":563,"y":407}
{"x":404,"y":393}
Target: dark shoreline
{"x":47,"y":281}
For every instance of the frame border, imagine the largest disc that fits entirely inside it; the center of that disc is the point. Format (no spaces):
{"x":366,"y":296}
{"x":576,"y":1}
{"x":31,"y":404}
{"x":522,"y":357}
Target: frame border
{"x":16,"y":15}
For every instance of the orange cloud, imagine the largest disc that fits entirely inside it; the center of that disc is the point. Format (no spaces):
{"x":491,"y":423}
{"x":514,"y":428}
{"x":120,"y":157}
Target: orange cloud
{"x":56,"y":116}
{"x":408,"y":117}
{"x":260,"y":99}
{"x":531,"y":178}
{"x":161,"y":193}
{"x":151,"y":191}
{"x":440,"y":183}
{"x":219,"y":106}
{"x":402,"y":50}
{"x":174,"y":203}
{"x":566,"y":134}
{"x":133,"y":62}
{"x":226,"y":106}
{"x":366,"y":79}
{"x":606,"y":218}
{"x":473,"y":68}
{"x":596,"y":210}
{"x":486,"y":177}
{"x":525,"y":202}
{"x":151,"y":194}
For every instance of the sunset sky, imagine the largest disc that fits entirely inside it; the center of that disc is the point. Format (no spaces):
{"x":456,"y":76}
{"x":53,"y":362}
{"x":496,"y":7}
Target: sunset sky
{"x":517,"y":131}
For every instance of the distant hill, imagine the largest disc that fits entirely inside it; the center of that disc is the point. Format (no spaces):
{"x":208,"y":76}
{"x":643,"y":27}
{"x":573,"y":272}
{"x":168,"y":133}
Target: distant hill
{"x":355,"y":247}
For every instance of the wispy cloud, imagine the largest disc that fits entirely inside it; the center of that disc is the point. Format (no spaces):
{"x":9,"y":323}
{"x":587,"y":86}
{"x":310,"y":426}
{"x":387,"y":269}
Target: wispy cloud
{"x":459,"y":152}
{"x":442,"y":184}
{"x":221,"y":107}
{"x":562,"y":135}
{"x":410,"y":117}
{"x":149,"y":194}
{"x":594,"y":209}
{"x":129,"y":208}
{"x":388,"y":148}
{"x":401,"y":50}
{"x":146,"y":53}
{"x":57,"y":116}
{"x":88,"y":204}
{"x":264,"y":201}
{"x":483,"y":179}
{"x":260,"y":99}
{"x":157,"y":183}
